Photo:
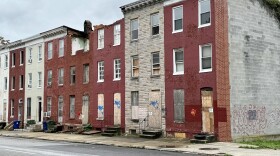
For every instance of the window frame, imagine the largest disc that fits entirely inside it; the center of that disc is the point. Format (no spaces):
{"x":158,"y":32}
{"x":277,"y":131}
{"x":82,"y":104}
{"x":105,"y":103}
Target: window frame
{"x":86,"y":73}
{"x":6,"y":61}
{"x":13,"y":83}
{"x":183,"y":118}
{"x":60,"y":76}
{"x":153,"y":25}
{"x":40,"y":80}
{"x":40,"y":58}
{"x":199,"y":14}
{"x":72,"y":101}
{"x":117,"y":69}
{"x":29,"y":82}
{"x":50,"y":50}
{"x":61,"y":48}
{"x":100,"y":72}
{"x":21,"y":58}
{"x":5,"y":83}
{"x":153,"y":64}
{"x":49,"y":82}
{"x":175,"y":72}
{"x":117,"y":34}
{"x":21,"y":82}
{"x":131,"y":30}
{"x":73,"y":75}
{"x":173,"y":19}
{"x":49,"y":105}
{"x":12,"y":108}
{"x":13,"y":60}
{"x":135,"y":67}
{"x":201,"y":70}
{"x":30,"y":56}
{"x":101,"y":38}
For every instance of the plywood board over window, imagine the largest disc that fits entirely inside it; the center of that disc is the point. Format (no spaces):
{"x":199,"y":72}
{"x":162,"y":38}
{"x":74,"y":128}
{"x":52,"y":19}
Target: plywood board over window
{"x":100,"y":108}
{"x":207,"y":110}
{"x":117,"y":109}
{"x":154,"y":110}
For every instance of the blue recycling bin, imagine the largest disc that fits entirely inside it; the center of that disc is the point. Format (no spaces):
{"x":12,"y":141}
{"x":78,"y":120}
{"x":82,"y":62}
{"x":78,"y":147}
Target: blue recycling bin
{"x":45,"y":126}
{"x":16,"y":124}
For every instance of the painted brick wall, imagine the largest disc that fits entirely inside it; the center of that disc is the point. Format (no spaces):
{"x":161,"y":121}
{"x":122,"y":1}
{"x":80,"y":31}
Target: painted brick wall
{"x":143,"y":47}
{"x":254,"y":37}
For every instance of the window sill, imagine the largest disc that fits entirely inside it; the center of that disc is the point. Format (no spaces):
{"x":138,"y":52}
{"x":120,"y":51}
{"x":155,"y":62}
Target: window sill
{"x":11,"y":116}
{"x":13,"y":67}
{"x":179,"y":122}
{"x":21,"y":65}
{"x":204,"y":25}
{"x":87,"y":83}
{"x":116,"y":79}
{"x":61,"y":57}
{"x":21,"y":89}
{"x":134,"y":78}
{"x":135,"y":40}
{"x":49,"y":86}
{"x":13,"y":90}
{"x":178,"y":74}
{"x":60,"y":85}
{"x":177,"y":31}
{"x":116,"y":45}
{"x":100,"y":48}
{"x":155,"y":76}
{"x":39,"y":87}
{"x":39,"y":61}
{"x":99,"y":119}
{"x":100,"y":81}
{"x":5,"y":68}
{"x":205,"y":71}
{"x":29,"y":88}
{"x":155,"y":36}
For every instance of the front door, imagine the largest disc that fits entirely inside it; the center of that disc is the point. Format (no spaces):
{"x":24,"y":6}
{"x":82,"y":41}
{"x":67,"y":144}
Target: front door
{"x":117,"y":109}
{"x":85,"y":110}
{"x":154,"y":110}
{"x":39,"y":109}
{"x":207,"y":110}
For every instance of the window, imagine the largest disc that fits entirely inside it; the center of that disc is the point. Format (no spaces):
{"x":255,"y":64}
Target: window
{"x":101,"y":39}
{"x":117,"y":69}
{"x":21,"y":82}
{"x":72,"y":106}
{"x":6,"y":61}
{"x":21,"y":61}
{"x":60,"y":108}
{"x":134,"y":29}
{"x":178,"y":59}
{"x":155,"y":23}
{"x":72,"y":75}
{"x":155,"y":64}
{"x":29,"y":80}
{"x":135,"y":66}
{"x":4,"y":109}
{"x":49,"y":77}
{"x":28,"y":108}
{"x":30,"y":55}
{"x":49,"y":105}
{"x":135,"y":105}
{"x":100,"y":113}
{"x":50,"y":50}
{"x":0,"y":61}
{"x":205,"y":55}
{"x":60,"y":76}
{"x":86,"y":73}
{"x":101,"y":71}
{"x":39,"y":79}
{"x":179,"y":106}
{"x":5,"y":83}
{"x":12,"y":107}
{"x":178,"y":19}
{"x":13,"y":59}
{"x":117,"y":34}
{"x":204,"y":13}
{"x":13,"y":83}
{"x":61,"y":48}
{"x":39,"y":53}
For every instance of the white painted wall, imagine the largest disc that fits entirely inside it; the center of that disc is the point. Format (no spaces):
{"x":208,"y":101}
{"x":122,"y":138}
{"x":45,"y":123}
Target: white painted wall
{"x":4,"y":72}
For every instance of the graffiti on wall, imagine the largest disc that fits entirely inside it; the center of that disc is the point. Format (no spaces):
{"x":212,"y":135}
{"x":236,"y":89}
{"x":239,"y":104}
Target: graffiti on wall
{"x":253,"y":119}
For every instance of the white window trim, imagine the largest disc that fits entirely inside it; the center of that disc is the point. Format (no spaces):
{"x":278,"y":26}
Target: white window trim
{"x":173,"y":20}
{"x":59,"y":48}
{"x":13,"y":60}
{"x":48,"y":50}
{"x":62,"y":76}
{"x":200,"y":59}
{"x":117,"y":35}
{"x":199,"y":17}
{"x":98,"y":38}
{"x":174,"y":62}
{"x":152,"y":26}
{"x":116,"y":79}
{"x":153,"y":74}
{"x":29,"y":82}
{"x":20,"y":80}
{"x":40,"y":86}
{"x":98,"y":74}
{"x":29,"y":60}
{"x":40,"y":50}
{"x":132,"y":59}
{"x":131,"y":29}
{"x":20,"y":58}
{"x":6,"y":62}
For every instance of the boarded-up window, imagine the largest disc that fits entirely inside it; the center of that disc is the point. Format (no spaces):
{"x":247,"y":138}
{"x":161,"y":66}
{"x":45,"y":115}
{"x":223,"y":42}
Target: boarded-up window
{"x":100,"y":107}
{"x":135,"y":105}
{"x":72,"y":106}
{"x":179,"y":106}
{"x":135,"y":66}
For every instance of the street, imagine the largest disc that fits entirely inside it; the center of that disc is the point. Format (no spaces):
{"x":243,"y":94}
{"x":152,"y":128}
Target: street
{"x":27,"y":147}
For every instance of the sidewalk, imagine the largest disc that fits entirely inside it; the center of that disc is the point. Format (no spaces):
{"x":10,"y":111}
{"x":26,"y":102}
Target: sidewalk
{"x":163,"y":144}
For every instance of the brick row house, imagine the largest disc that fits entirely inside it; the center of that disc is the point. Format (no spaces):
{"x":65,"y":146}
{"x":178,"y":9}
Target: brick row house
{"x":180,"y":67}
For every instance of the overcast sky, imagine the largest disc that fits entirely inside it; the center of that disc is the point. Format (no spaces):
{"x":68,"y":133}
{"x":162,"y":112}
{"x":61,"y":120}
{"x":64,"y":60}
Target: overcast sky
{"x":20,"y":19}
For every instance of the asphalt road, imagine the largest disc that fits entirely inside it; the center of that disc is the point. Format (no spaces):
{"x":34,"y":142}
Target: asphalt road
{"x":27,"y":147}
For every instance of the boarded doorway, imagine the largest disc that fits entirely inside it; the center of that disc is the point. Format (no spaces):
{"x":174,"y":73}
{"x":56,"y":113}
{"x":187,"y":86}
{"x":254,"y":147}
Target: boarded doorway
{"x":154,"y":110}
{"x":117,"y":109}
{"x":207,"y":110}
{"x":85,"y":110}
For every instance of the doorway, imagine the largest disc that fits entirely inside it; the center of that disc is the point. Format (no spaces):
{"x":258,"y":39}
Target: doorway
{"x":117,"y":109}
{"x":85,"y":109}
{"x":154,"y":110}
{"x":40,"y":109}
{"x":207,"y":110}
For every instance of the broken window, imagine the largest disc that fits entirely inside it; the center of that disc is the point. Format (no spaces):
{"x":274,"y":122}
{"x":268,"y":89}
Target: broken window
{"x":135,"y":66}
{"x":101,"y":39}
{"x":178,"y":19}
{"x":179,"y":106}
{"x":61,"y":48}
{"x":86,"y":73}
{"x":50,"y":50}
{"x":101,"y":71}
{"x":134,"y":29}
{"x":117,"y":34}
{"x":72,"y":75}
{"x":178,"y":59}
{"x":155,"y":63}
{"x":117,"y":69}
{"x":60,"y":76}
{"x":204,"y":13}
{"x":155,"y":23}
{"x":205,"y":58}
{"x":72,"y":106}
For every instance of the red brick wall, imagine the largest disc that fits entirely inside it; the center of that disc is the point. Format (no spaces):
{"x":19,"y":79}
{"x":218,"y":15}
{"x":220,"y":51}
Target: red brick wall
{"x":108,"y":87}
{"x":192,"y":81}
{"x":16,"y":94}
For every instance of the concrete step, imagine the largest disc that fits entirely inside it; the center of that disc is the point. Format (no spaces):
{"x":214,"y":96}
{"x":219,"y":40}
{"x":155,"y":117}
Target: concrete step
{"x":196,"y":141}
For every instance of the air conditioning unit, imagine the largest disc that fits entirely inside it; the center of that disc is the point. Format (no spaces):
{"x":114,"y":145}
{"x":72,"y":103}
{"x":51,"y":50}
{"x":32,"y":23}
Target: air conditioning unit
{"x":30,"y":60}
{"x":20,"y":101}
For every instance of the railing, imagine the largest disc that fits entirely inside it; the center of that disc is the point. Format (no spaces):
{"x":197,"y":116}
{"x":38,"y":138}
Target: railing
{"x":143,"y":124}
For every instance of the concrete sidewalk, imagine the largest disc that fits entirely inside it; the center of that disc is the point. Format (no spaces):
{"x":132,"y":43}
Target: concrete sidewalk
{"x":163,"y":144}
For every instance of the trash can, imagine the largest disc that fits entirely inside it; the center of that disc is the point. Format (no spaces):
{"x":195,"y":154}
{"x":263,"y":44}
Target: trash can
{"x":16,"y":124}
{"x":45,"y":126}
